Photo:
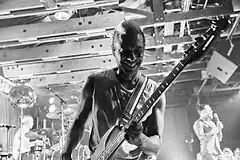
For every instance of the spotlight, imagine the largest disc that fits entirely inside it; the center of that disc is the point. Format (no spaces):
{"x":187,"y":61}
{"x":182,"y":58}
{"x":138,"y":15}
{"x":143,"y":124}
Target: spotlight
{"x":63,"y":15}
{"x":52,"y":108}
{"x":51,"y":100}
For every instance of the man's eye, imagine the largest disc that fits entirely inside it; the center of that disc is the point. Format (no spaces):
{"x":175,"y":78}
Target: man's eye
{"x":138,"y":51}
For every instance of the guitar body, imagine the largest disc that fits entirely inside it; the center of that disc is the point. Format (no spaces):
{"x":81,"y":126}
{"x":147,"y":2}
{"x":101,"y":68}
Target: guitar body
{"x":107,"y":139}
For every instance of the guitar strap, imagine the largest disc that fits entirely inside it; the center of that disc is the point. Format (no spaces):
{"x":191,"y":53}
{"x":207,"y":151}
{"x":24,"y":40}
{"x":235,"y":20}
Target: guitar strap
{"x":134,"y":99}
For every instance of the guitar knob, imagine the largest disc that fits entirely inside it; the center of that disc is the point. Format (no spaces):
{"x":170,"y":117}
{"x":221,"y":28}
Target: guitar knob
{"x":204,"y":37}
{"x":213,"y":27}
{"x":195,"y":45}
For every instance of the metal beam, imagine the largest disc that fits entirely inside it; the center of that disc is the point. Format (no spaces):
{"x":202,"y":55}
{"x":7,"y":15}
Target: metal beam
{"x":76,"y":77}
{"x":200,"y":13}
{"x":53,"y":79}
{"x":8,"y":6}
{"x":60,"y":51}
{"x":61,"y":88}
{"x":87,"y":63}
{"x":73,"y":49}
{"x":37,"y":31}
{"x":34,"y":69}
{"x":15,"y":9}
{"x":158,"y":9}
{"x":33,"y":32}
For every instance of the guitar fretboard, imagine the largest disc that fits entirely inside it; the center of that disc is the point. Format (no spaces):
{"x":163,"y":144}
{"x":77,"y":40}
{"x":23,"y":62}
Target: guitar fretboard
{"x":161,"y":88}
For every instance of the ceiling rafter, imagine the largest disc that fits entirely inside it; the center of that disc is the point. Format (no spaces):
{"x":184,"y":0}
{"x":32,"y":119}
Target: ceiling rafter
{"x":52,"y":63}
{"x":10,"y":56}
{"x":13,"y":9}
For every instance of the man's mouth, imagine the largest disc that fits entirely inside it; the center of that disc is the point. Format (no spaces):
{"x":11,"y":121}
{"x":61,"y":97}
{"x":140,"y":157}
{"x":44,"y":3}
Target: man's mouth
{"x":130,"y":65}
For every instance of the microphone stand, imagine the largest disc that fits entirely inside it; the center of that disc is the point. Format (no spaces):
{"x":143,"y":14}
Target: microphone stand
{"x":62,"y":120}
{"x":21,"y":125}
{"x":8,"y":138}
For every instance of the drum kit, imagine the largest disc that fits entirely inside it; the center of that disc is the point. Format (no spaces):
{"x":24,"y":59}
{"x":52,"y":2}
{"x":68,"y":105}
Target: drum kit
{"x":47,"y":143}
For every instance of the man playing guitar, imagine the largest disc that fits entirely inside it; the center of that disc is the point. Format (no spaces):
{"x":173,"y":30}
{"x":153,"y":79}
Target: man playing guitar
{"x":106,"y":94}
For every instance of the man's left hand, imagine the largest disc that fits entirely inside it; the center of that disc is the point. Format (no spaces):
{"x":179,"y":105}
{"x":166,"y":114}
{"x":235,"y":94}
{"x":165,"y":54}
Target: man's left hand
{"x":133,"y":132}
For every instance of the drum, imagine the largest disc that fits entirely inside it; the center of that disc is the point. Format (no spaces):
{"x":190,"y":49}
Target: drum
{"x":38,"y":148}
{"x":81,"y":152}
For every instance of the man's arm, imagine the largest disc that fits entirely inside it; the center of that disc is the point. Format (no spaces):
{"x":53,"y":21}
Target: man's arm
{"x":199,"y":130}
{"x":149,"y":139}
{"x":16,"y":145}
{"x":152,"y":140}
{"x":77,"y":129}
{"x":220,"y":127}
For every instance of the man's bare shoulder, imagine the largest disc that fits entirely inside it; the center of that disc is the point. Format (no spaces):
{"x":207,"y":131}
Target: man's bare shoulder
{"x":106,"y":74}
{"x":198,"y":122}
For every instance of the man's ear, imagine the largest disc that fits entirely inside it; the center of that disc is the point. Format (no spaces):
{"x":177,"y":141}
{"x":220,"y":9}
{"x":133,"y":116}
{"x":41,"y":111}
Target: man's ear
{"x":113,"y":50}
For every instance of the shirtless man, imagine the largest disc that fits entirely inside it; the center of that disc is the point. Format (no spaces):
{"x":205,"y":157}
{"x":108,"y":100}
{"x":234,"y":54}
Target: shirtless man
{"x":208,"y":129}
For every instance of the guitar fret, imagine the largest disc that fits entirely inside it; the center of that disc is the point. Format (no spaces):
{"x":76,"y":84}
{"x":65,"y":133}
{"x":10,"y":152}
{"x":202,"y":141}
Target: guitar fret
{"x":153,"y":98}
{"x":175,"y":71}
{"x":181,"y":63}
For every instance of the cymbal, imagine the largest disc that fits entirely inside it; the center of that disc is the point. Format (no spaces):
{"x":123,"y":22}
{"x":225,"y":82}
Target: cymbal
{"x":73,"y":106}
{"x":58,"y":114}
{"x":43,"y":131}
{"x":33,"y":135}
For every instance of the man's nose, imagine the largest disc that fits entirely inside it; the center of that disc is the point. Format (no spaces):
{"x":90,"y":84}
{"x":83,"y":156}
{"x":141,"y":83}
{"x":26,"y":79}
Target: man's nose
{"x":132,"y":56}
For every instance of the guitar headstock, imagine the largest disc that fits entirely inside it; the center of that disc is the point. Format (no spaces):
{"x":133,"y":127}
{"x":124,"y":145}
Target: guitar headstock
{"x":221,"y":22}
{"x":202,"y":43}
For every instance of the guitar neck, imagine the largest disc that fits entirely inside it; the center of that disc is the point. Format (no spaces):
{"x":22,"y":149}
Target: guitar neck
{"x":153,"y":99}
{"x":200,"y":49}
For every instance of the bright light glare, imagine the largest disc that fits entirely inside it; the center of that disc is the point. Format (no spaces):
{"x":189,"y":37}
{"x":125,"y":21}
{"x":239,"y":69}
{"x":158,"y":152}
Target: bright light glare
{"x":52,"y":108}
{"x":51,"y":100}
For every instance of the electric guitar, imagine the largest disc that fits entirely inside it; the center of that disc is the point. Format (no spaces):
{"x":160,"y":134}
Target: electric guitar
{"x":114,"y":137}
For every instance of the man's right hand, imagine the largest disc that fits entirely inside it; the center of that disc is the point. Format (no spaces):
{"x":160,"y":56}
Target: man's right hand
{"x":66,"y":156}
